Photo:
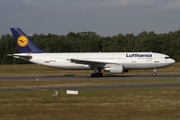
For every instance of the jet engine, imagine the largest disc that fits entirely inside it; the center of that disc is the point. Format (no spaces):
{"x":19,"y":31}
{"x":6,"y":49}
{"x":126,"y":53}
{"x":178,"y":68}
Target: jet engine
{"x":115,"y":68}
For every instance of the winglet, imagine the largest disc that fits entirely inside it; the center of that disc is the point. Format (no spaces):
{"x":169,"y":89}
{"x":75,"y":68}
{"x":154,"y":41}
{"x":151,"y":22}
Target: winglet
{"x":24,"y":44}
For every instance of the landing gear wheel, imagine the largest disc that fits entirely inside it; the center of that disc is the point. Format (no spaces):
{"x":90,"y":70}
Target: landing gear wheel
{"x":100,"y":74}
{"x":154,"y":74}
{"x":97,"y":74}
{"x":92,"y":75}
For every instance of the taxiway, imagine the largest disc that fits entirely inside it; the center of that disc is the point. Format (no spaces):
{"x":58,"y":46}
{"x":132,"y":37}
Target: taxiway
{"x":130,"y":77}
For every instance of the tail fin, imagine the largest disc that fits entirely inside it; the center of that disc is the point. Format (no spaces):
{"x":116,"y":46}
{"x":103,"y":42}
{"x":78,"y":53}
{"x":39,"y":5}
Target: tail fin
{"x":24,"y":44}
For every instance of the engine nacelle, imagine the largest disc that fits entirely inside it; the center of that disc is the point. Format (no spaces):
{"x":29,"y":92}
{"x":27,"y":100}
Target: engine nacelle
{"x":113,"y":68}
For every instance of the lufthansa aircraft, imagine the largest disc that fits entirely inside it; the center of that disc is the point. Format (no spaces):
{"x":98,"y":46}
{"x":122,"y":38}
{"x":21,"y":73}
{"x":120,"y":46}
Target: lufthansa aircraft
{"x":114,"y":62}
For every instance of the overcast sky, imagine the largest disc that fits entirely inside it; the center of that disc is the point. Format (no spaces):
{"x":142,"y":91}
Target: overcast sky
{"x":105,"y":17}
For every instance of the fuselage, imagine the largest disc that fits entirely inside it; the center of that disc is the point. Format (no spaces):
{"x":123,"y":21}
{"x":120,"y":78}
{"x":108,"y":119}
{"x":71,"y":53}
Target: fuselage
{"x":130,"y":60}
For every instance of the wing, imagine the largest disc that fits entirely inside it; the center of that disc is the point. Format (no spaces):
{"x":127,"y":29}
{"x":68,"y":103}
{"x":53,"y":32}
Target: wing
{"x":90,"y":62}
{"x":26,"y":57}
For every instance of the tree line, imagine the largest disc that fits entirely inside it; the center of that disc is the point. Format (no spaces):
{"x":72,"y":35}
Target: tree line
{"x":167,"y":43}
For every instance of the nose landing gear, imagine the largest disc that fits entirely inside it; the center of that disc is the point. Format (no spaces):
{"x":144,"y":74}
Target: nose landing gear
{"x":154,"y":74}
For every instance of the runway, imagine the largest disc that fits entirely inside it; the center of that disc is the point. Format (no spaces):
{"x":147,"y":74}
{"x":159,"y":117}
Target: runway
{"x":113,"y":77}
{"x":130,"y":77}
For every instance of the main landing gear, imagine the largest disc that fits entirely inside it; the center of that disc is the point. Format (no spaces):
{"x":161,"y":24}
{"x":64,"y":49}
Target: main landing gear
{"x":97,"y":74}
{"x":154,"y":74}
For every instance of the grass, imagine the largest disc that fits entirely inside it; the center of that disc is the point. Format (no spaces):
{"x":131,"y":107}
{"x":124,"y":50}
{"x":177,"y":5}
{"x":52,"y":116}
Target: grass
{"x":100,"y":104}
{"x":140,"y":104}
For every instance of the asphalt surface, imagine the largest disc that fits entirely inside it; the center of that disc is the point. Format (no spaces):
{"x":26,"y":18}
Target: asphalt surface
{"x":114,"y":77}
{"x":129,"y":77}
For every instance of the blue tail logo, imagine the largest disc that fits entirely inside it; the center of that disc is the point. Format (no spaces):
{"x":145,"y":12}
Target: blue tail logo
{"x":24,"y":43}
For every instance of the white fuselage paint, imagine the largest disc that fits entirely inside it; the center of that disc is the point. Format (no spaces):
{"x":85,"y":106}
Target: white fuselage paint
{"x":130,"y":60}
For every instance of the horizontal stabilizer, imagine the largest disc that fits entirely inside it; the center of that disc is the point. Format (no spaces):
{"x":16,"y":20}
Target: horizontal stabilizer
{"x":26,"y":57}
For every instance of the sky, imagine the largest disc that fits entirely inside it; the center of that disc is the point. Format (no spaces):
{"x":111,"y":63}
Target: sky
{"x":105,"y":17}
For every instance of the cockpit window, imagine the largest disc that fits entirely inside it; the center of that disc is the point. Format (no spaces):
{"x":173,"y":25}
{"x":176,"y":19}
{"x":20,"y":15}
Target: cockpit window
{"x":167,"y":58}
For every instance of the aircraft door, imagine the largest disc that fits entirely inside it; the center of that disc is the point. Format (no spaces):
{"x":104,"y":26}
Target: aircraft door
{"x":47,"y":60}
{"x":133,"y":60}
{"x":156,"y":59}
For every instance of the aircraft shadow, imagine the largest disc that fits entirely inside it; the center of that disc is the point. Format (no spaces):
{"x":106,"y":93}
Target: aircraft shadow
{"x":62,"y":76}
{"x":109,"y":75}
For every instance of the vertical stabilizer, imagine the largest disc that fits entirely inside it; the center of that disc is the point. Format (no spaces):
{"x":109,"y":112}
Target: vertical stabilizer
{"x":24,"y":44}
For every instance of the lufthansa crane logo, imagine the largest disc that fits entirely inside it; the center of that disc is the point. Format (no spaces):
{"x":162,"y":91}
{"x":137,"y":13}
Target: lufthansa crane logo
{"x":22,"y":41}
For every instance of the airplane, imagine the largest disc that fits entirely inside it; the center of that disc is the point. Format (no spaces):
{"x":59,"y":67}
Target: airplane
{"x":113,"y":62}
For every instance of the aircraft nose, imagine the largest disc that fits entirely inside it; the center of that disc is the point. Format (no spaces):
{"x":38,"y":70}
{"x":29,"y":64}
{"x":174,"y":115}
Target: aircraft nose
{"x":173,"y":61}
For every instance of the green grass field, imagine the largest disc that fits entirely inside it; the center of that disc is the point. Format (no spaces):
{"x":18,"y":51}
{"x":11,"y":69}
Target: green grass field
{"x":104,"y":104}
{"x":99,"y":104}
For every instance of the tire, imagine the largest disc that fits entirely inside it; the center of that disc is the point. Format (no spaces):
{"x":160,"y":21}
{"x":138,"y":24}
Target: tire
{"x":97,"y":75}
{"x":100,"y":74}
{"x":154,"y":74}
{"x":92,"y":75}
